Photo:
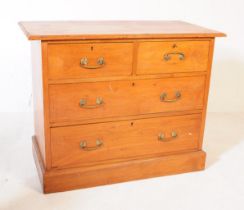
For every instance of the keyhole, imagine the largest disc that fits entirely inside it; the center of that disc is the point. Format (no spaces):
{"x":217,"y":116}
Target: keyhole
{"x":91,"y":48}
{"x":133,"y":84}
{"x":174,"y":46}
{"x":131,"y":123}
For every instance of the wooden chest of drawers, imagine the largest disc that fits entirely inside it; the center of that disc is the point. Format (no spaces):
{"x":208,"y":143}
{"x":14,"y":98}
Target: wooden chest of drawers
{"x":118,"y":101}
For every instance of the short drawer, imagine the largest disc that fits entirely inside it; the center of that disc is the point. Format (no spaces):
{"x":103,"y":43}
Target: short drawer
{"x":73,"y":60}
{"x":92,"y":100}
{"x":87,"y":144}
{"x":172,"y":57}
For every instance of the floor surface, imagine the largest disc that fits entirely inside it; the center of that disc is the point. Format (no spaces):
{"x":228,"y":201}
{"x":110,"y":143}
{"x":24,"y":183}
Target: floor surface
{"x":219,"y":187}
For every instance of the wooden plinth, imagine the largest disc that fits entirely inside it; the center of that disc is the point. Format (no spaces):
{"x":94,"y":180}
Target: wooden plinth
{"x":74,"y":178}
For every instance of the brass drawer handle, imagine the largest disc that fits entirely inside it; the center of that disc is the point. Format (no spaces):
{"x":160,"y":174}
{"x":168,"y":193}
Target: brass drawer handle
{"x":168,"y":56}
{"x":161,"y":136}
{"x":83,"y":145}
{"x":84,"y":63}
{"x":163,"y":97}
{"x":99,"y":102}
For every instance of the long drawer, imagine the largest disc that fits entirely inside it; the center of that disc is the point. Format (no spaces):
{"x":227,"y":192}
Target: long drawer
{"x":87,"y":144}
{"x":74,"y":60}
{"x":172,"y":57}
{"x":74,"y":102}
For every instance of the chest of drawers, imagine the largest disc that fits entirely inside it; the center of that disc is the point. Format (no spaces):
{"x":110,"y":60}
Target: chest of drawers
{"x":118,"y":101}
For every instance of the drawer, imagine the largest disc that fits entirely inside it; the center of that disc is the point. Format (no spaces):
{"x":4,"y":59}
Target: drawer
{"x":73,"y":60}
{"x":172,"y":56}
{"x":81,"y":101}
{"x":87,"y":144}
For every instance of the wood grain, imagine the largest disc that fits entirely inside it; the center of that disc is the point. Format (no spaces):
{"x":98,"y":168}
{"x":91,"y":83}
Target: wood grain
{"x":123,"y":139}
{"x":128,"y":78}
{"x":46,"y":104}
{"x":64,"y":60}
{"x":78,"y":30}
{"x":207,"y":86}
{"x":62,"y":180}
{"x":123,"y":98}
{"x":40,"y":166}
{"x":130,"y":83}
{"x":151,"y":57}
{"x":82,"y":177}
{"x":123,"y":118}
{"x":37,"y":86}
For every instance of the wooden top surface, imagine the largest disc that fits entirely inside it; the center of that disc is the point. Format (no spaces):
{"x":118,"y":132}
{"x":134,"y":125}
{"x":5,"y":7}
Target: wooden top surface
{"x":73,"y":30}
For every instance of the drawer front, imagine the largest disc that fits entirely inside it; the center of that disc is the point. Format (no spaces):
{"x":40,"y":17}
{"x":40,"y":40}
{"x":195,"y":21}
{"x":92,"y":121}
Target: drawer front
{"x":86,"y":144}
{"x":171,"y":57}
{"x":72,"y":102}
{"x":67,"y":61}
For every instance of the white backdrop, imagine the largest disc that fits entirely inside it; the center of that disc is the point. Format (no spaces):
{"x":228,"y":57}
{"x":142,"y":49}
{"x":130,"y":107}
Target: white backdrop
{"x":227,"y":86}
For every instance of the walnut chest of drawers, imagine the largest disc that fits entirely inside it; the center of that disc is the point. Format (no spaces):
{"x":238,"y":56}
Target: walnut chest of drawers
{"x":118,"y":101}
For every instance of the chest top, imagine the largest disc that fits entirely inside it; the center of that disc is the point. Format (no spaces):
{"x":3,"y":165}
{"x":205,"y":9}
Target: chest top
{"x":66,"y":30}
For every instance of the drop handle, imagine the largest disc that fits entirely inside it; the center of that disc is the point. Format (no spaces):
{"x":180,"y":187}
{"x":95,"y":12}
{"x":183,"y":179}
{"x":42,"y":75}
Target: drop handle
{"x":162,"y":136}
{"x":168,"y":56}
{"x":164,"y":97}
{"x":83,"y":145}
{"x":99,"y":102}
{"x":84,"y":63}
